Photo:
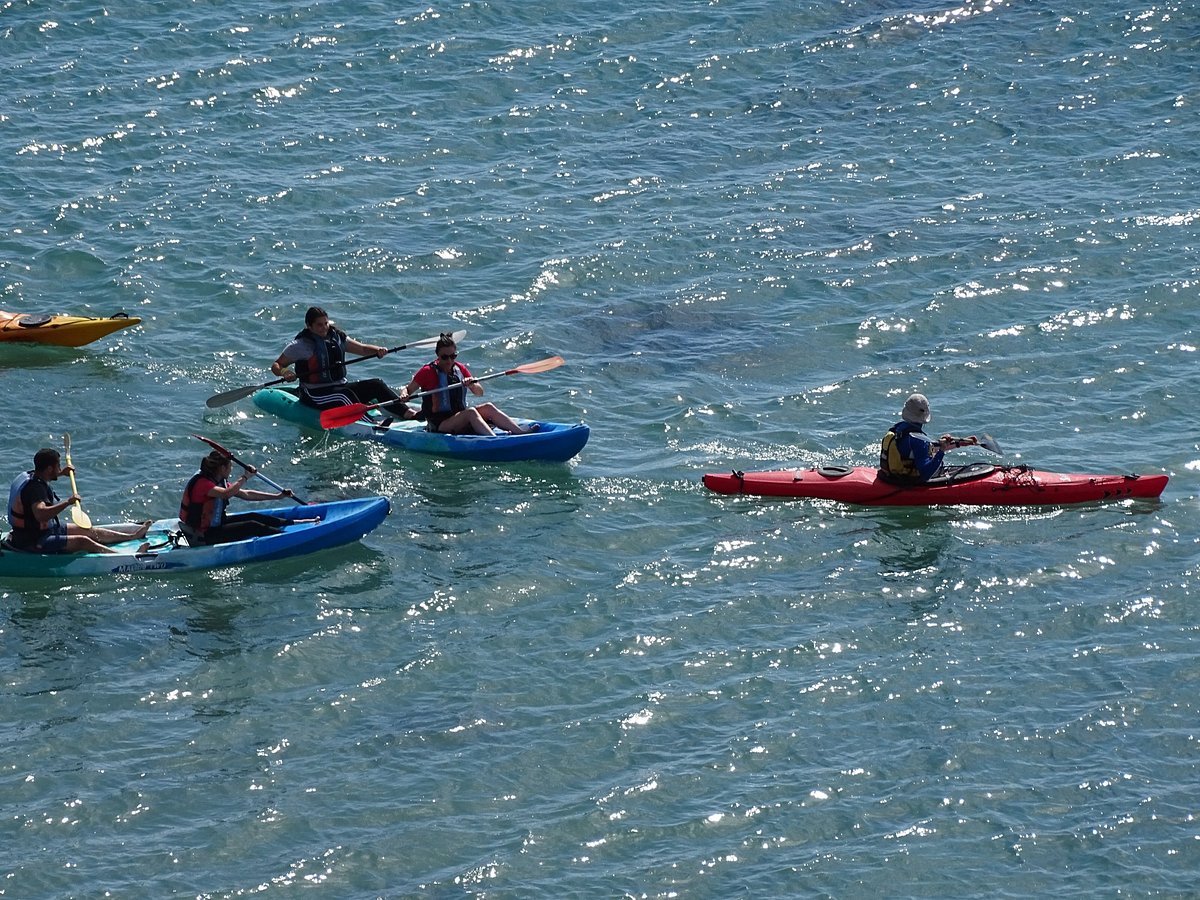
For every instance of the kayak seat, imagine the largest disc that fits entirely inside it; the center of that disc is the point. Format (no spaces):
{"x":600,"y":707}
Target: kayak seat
{"x":188,"y":536}
{"x":7,"y":546}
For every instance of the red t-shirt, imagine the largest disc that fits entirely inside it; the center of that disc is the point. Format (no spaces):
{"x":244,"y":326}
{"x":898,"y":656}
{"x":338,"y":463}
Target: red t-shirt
{"x":428,"y":378}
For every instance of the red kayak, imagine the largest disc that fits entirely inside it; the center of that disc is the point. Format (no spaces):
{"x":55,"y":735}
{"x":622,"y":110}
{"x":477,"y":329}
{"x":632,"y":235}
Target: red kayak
{"x":976,"y":484}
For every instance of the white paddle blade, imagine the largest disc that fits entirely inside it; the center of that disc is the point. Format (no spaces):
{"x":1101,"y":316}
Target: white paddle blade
{"x":432,"y":341}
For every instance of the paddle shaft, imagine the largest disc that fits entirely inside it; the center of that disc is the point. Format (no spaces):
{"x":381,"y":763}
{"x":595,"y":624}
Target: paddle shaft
{"x":338,"y":416}
{"x":227,"y":397}
{"x":259,"y":474}
{"x":78,"y":516}
{"x":987,"y":442}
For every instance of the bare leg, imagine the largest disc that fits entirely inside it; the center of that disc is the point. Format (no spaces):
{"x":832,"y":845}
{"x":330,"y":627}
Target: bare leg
{"x":493,"y":415}
{"x":466,"y":421}
{"x":110,"y":535}
{"x":81,"y":543}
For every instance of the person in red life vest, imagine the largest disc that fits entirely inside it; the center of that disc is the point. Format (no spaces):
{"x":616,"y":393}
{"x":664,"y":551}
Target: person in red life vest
{"x":202,"y":512}
{"x":318,"y":356}
{"x":447,"y":411}
{"x":34,"y":509}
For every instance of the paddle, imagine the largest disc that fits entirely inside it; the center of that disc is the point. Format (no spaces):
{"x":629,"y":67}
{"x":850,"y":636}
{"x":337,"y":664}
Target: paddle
{"x":986,"y":441}
{"x":224,"y":399}
{"x":338,"y":416}
{"x":78,"y":516}
{"x":229,"y":453}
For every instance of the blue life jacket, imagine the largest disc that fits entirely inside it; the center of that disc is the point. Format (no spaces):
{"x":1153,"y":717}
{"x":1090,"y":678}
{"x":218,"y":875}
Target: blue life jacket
{"x":16,"y":517}
{"x":445,"y":403}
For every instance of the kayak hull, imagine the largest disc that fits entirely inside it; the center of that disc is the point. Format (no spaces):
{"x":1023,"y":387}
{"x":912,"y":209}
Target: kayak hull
{"x":60,"y":331}
{"x":552,"y":442}
{"x":342,"y":522}
{"x":984,"y":486}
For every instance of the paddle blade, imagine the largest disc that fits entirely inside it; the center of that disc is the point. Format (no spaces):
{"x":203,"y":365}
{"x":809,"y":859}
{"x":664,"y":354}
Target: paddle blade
{"x":213,"y":444}
{"x":79,"y":517}
{"x":987,"y":442}
{"x":432,"y":341}
{"x":533,"y":368}
{"x":339,"y":416}
{"x":231,"y":396}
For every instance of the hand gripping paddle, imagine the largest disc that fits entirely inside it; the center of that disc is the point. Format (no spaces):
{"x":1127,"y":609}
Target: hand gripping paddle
{"x":338,"y":416}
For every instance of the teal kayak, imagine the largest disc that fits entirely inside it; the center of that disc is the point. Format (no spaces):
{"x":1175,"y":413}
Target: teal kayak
{"x":552,"y":442}
{"x":341,"y":522}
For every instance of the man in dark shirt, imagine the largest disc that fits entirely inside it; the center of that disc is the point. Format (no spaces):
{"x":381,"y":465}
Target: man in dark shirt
{"x":33,"y":510}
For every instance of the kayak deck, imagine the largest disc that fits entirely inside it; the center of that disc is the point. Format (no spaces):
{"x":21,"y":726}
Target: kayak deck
{"x":978,"y":484}
{"x":61,"y":330}
{"x":339,"y":522}
{"x":552,"y":442}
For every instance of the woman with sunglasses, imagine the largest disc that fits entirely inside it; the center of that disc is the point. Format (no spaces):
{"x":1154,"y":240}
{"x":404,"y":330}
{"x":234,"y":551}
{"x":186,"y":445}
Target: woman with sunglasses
{"x":446,"y":410}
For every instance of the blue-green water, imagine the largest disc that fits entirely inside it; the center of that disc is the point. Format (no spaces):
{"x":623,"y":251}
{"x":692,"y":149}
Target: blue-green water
{"x":752,"y":229}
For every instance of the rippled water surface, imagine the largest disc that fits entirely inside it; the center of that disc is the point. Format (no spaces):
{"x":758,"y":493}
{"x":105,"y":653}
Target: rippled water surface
{"x":751,"y":229}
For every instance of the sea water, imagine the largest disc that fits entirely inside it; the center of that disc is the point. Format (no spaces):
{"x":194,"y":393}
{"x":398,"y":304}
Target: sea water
{"x":751,"y":229}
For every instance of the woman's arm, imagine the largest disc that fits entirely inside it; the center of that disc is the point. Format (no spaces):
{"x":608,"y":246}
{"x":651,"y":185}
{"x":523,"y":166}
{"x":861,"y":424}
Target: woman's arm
{"x":262,"y":495}
{"x":233,"y":489}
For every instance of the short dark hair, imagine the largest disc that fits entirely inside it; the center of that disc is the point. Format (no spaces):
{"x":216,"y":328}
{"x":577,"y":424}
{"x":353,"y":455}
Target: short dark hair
{"x":446,"y":340}
{"x":47,"y":456}
{"x":314,"y":313}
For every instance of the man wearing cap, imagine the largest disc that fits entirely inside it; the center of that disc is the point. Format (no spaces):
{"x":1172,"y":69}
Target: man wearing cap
{"x":908,"y":456}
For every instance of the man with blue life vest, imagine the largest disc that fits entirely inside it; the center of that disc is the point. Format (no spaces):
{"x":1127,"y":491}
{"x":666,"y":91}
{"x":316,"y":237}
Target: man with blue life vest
{"x":318,"y":354}
{"x":907,"y":455}
{"x":446,"y":410}
{"x":34,"y":508}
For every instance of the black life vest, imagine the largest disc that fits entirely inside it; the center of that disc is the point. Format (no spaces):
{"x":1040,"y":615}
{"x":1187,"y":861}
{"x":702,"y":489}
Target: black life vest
{"x":328,"y":362}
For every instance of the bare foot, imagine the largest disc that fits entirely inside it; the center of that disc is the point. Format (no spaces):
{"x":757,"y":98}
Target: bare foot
{"x":142,"y":531}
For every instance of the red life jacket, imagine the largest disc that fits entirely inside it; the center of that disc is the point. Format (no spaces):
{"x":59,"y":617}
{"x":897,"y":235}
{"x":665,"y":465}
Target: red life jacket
{"x":197,"y":510}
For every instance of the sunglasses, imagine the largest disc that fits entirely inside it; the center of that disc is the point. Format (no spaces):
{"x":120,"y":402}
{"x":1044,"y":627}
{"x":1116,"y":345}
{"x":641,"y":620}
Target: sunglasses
{"x":447,"y":356}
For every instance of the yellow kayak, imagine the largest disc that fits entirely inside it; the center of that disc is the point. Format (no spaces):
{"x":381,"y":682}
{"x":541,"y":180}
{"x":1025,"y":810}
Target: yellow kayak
{"x":61,"y":331}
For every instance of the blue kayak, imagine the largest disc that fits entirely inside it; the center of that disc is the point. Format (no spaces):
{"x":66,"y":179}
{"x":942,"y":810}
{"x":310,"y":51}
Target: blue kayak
{"x":341,"y":522}
{"x":552,"y":442}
